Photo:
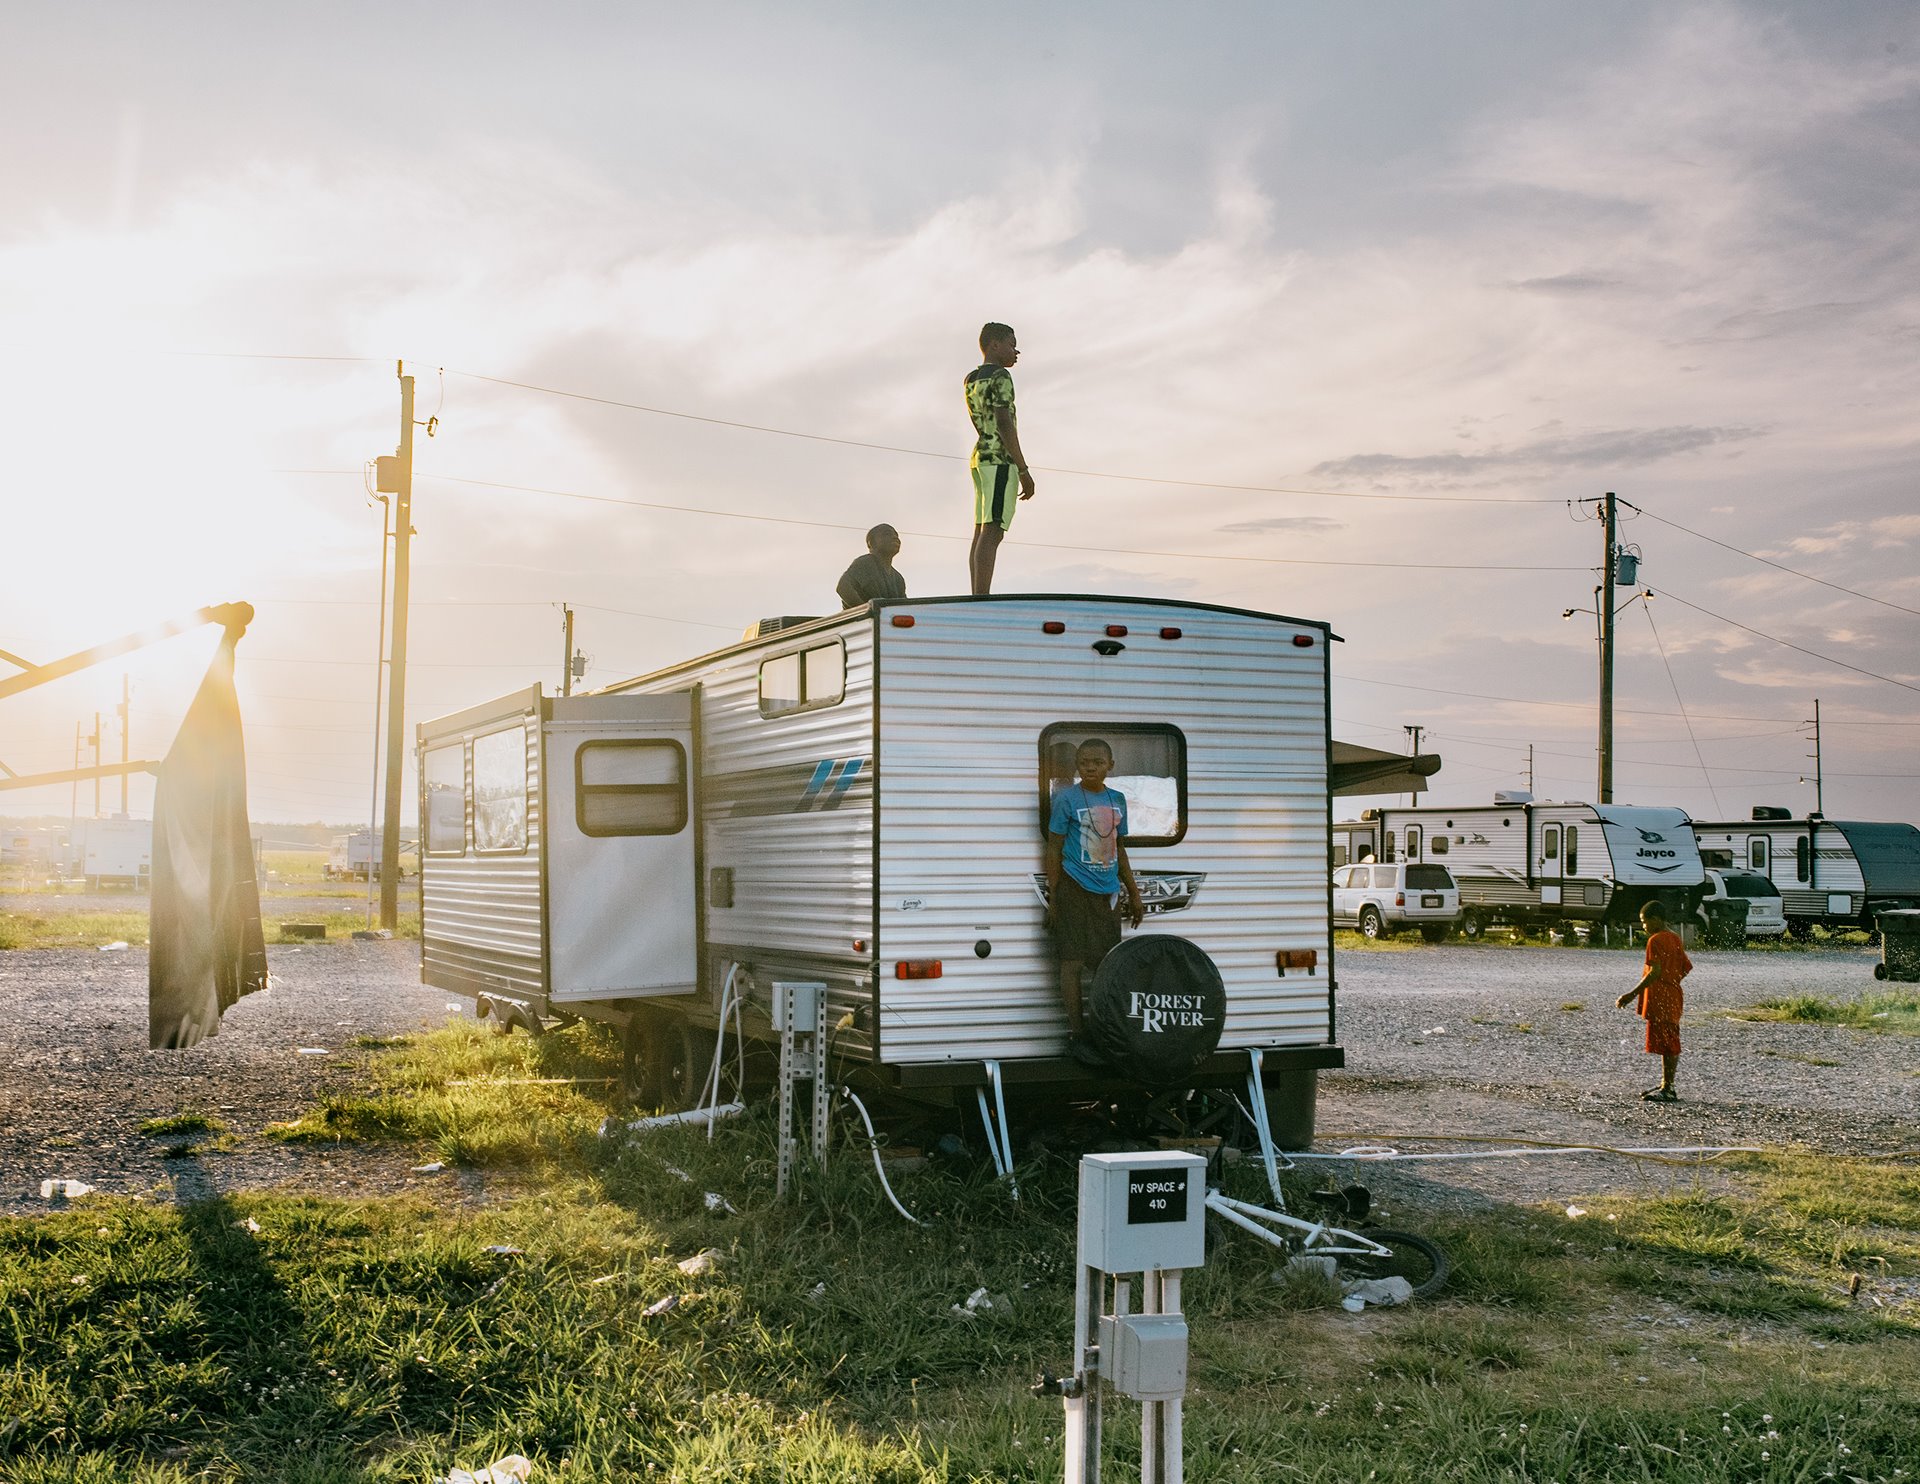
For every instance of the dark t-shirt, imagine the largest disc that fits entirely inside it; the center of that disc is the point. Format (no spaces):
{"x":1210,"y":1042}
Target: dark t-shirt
{"x":866,"y":581}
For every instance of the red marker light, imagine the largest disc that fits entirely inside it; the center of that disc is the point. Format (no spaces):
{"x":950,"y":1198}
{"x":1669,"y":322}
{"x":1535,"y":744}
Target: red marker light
{"x":1169,"y":633}
{"x":1296,"y":958}
{"x":1300,"y":641}
{"x":1053,"y":626}
{"x":905,"y":621}
{"x":859,"y":945}
{"x":1116,"y":631}
{"x":917,"y":968}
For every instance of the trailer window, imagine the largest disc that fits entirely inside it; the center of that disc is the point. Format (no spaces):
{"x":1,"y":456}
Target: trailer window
{"x":1573,"y":850}
{"x":1149,"y":768}
{"x":1438,"y":845}
{"x":1552,"y":848}
{"x":1803,"y":858}
{"x":444,"y":781}
{"x":500,"y":790}
{"x":804,"y":680}
{"x":630,"y":788}
{"x":1339,"y":855}
{"x":1757,"y":853}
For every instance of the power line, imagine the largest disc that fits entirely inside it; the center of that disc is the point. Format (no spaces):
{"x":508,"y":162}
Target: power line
{"x":1779,"y":566}
{"x":1701,"y":757}
{"x":924,"y":453}
{"x":1786,"y":643}
{"x":1075,"y":546}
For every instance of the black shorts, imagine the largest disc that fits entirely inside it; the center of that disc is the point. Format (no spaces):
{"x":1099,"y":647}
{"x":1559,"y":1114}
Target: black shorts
{"x":1085,"y":925}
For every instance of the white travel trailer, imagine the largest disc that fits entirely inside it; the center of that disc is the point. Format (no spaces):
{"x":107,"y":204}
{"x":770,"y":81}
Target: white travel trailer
{"x":1834,"y":872}
{"x":1541,"y":864}
{"x":861,"y":800}
{"x":114,"y":852}
{"x":352,"y":856}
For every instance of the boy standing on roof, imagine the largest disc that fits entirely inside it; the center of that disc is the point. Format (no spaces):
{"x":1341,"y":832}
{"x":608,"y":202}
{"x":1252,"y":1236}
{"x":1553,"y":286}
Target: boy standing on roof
{"x":1086,"y":867}
{"x":1660,"y":999}
{"x":999,"y":467}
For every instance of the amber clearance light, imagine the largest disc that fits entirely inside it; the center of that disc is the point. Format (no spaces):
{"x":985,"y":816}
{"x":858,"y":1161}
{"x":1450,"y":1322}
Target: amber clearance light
{"x":1053,"y":626}
{"x":1296,"y":958}
{"x":1300,"y":641}
{"x":917,"y":968}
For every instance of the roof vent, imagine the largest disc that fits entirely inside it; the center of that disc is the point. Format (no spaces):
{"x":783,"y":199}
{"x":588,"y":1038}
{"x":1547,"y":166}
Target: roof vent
{"x":768,"y":626}
{"x":1512,"y":796}
{"x":1771,"y":811}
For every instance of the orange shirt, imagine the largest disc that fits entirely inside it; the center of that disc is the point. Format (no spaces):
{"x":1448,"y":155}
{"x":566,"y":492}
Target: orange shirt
{"x":1667,"y":957}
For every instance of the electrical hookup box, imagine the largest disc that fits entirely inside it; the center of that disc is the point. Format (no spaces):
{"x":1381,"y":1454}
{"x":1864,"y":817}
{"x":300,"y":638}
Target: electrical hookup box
{"x":1143,"y":1211}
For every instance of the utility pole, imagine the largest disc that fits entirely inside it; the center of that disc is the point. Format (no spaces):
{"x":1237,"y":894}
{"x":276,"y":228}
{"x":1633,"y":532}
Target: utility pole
{"x":1606,"y":654}
{"x":95,"y":739}
{"x":73,"y":801}
{"x":396,"y":478}
{"x":566,"y":651}
{"x":125,"y":711}
{"x":1529,"y":767}
{"x":379,"y":650}
{"x":1414,"y":732}
{"x":1819,"y":802}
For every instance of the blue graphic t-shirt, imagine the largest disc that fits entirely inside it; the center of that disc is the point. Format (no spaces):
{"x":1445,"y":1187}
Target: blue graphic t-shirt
{"x":1092,"y":826}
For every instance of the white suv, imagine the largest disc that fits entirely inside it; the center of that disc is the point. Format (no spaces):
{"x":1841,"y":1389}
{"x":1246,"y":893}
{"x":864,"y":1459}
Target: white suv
{"x":1766,"y":917}
{"x":1378,"y":898}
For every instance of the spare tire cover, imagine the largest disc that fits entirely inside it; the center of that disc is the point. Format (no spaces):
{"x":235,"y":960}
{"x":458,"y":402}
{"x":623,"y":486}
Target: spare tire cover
{"x":1156,"y":1008}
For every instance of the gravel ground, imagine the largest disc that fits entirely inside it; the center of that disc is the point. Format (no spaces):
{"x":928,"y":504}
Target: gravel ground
{"x":73,"y":1032}
{"x":1433,"y":1037}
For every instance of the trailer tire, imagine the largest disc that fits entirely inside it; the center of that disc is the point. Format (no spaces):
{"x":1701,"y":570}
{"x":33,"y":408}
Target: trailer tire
{"x":1473,"y":926}
{"x":1156,"y":1008}
{"x":1435,"y":932}
{"x":679,"y":1056}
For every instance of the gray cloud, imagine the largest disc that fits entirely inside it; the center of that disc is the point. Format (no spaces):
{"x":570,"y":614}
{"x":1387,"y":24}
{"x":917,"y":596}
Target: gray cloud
{"x":1305,"y":524}
{"x":1568,"y":283}
{"x":1612,"y":448}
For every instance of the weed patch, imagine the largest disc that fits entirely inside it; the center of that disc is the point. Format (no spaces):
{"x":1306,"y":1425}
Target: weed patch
{"x":1891,"y":1011}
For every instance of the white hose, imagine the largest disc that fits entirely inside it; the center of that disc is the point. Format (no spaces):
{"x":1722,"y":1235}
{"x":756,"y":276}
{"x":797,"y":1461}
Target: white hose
{"x":730,"y":1002}
{"x":873,"y":1143}
{"x":1379,"y":1153}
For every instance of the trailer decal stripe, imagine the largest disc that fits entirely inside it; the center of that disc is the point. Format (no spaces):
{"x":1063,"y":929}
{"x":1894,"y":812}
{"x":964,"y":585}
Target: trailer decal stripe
{"x":791,"y":788}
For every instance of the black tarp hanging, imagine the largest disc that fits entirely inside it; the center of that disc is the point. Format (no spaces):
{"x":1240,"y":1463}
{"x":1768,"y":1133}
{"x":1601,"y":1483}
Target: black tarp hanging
{"x":207,"y":945}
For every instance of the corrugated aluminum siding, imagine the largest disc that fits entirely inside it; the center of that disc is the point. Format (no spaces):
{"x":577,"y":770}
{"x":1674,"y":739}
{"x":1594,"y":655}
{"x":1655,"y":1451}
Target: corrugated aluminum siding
{"x":964,"y":695}
{"x":1491,"y":862}
{"x":801,"y":853}
{"x":480,"y":915}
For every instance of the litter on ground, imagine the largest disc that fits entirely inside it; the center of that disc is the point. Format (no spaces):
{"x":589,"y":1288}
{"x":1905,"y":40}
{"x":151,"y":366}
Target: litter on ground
{"x":428,"y":1169}
{"x":661,"y":1306}
{"x":1384,"y":1293}
{"x":64,"y":1190}
{"x":513,"y":1469}
{"x":701,"y":1262}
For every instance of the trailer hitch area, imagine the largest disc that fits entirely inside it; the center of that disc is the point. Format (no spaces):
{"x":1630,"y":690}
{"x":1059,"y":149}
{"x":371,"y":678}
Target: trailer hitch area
{"x":1052,"y":1385}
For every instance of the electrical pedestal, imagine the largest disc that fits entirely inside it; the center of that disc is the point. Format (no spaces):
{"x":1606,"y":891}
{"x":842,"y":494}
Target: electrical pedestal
{"x":1141,"y":1214}
{"x":799,"y":1014}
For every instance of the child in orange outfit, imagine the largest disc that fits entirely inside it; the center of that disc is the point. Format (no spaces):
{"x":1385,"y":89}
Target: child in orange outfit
{"x":1661,"y":1001}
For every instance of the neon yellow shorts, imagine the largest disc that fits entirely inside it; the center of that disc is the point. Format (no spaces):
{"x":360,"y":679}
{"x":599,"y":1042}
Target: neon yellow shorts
{"x":996,"y":490}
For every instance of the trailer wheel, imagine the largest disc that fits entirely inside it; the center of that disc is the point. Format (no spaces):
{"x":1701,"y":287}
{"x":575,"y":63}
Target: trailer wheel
{"x":1373,"y":927}
{"x":1435,"y":932}
{"x":679,"y":1056}
{"x":1473,"y":926}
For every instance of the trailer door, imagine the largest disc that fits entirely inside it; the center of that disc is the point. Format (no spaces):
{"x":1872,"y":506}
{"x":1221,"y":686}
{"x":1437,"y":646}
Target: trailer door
{"x":621,"y":908}
{"x":1551,"y":866}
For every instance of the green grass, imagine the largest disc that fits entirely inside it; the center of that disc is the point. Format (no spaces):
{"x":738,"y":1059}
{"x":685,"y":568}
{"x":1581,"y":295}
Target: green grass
{"x":1893,"y":1010}
{"x":381,"y":1340}
{"x":19,"y":930}
{"x":183,"y":1123}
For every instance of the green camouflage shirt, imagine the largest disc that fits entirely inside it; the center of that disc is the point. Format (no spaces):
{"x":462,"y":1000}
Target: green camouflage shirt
{"x":989,"y":388}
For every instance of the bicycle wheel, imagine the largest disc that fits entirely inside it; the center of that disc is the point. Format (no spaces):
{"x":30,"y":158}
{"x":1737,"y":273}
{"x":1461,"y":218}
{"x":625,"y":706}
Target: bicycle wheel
{"x":1422,"y":1263}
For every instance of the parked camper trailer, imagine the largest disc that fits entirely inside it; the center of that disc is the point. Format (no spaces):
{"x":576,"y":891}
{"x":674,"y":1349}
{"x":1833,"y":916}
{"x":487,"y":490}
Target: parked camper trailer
{"x":114,"y":852}
{"x":861,"y":801}
{"x":1541,"y":865}
{"x":1834,"y":872}
{"x":352,"y":856}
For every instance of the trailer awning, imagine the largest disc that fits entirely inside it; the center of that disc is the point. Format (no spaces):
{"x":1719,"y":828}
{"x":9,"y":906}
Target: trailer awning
{"x":1368,"y":770}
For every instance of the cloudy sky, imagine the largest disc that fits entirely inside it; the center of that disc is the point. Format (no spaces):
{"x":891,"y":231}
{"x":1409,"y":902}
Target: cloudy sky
{"x":1332,"y":311}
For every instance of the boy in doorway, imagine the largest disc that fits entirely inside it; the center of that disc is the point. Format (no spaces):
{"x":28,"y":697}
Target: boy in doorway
{"x":1660,"y":999}
{"x":1086,"y":868}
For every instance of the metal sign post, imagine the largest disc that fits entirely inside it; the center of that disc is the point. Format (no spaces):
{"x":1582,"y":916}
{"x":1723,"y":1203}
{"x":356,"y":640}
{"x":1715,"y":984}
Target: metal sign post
{"x":799,"y":1014}
{"x":1141,"y":1213}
